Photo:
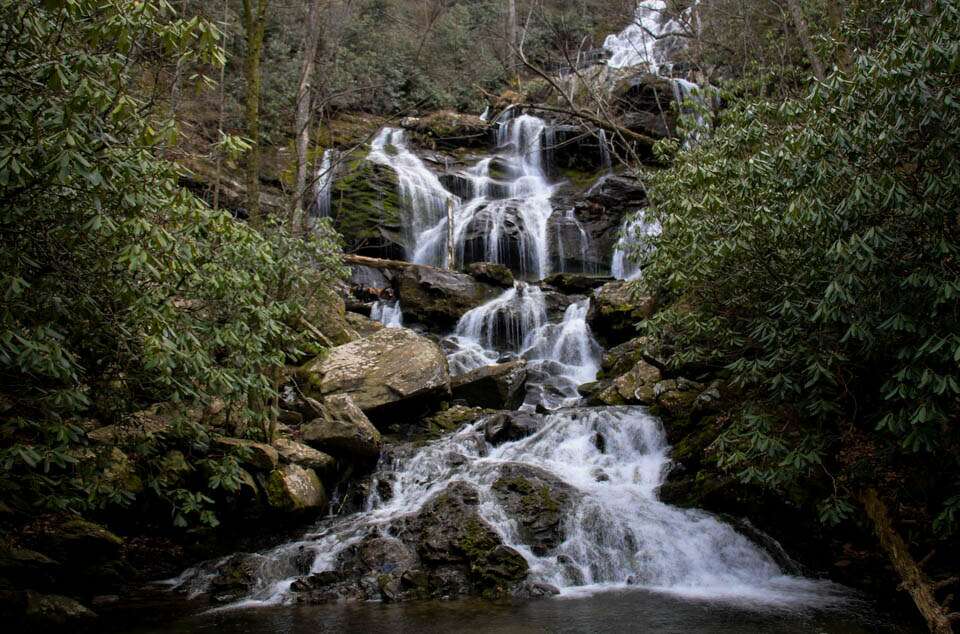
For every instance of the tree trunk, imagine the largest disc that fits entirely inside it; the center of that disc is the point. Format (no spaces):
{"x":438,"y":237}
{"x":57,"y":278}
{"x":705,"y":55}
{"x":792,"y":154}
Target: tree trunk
{"x":311,"y":41}
{"x":222,"y":107}
{"x":512,"y":35}
{"x":803,"y":33}
{"x":254,"y":23}
{"x":914,"y":580}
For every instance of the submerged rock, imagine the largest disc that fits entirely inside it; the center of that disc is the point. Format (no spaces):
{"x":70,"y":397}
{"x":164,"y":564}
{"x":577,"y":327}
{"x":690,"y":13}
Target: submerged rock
{"x":390,"y":371}
{"x":499,"y":386}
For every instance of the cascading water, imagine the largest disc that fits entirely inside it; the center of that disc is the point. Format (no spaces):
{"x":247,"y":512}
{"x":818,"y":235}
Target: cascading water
{"x":635,"y":228}
{"x":323,"y":185}
{"x":423,"y":196}
{"x":647,"y":40}
{"x":387,"y":313}
{"x":501,"y":212}
{"x":616,"y":531}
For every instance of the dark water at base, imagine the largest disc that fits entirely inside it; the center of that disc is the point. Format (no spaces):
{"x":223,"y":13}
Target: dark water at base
{"x":615,"y":611}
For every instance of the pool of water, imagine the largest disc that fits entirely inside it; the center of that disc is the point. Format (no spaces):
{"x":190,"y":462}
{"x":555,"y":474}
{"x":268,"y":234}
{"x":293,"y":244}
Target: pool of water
{"x":612,"y":611}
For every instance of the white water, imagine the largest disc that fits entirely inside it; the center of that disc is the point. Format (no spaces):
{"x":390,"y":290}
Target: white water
{"x":387,"y":313}
{"x":423,"y":197}
{"x":647,"y":40}
{"x":635,"y":229}
{"x":503,"y":213}
{"x":616,"y":533}
{"x":323,"y":184}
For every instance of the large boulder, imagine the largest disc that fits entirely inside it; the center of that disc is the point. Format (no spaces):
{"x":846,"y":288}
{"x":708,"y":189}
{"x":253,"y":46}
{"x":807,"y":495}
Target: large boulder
{"x":439,"y":297}
{"x":614,"y":312}
{"x":344,"y":431}
{"x":292,"y":488}
{"x":537,"y":501}
{"x":498,"y":386}
{"x":366,"y":207}
{"x":392,"y":371}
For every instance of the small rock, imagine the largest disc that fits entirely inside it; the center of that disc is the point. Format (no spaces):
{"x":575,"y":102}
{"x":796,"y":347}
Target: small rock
{"x":345,"y":431}
{"x":292,"y":488}
{"x":510,"y":426}
{"x":499,"y":386}
{"x":47,"y":611}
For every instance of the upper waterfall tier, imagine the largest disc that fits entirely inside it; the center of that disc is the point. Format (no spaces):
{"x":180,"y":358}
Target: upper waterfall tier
{"x":501,"y":208}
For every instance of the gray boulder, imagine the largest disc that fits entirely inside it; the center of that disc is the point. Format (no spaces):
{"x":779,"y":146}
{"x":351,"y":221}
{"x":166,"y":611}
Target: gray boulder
{"x":387,"y":372}
{"x":344,"y":431}
{"x":438,"y":297}
{"x":499,"y":386}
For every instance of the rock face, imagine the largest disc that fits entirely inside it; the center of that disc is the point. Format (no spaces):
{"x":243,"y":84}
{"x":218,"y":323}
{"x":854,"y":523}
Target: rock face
{"x":344,"y":431}
{"x":614,"y":312}
{"x":645,"y":102}
{"x":392,"y":371}
{"x":292,"y":488}
{"x":438,"y":297}
{"x":366,"y":208}
{"x":500,"y":386}
{"x":450,"y":130}
{"x":538,"y":502}
{"x":511,"y":426}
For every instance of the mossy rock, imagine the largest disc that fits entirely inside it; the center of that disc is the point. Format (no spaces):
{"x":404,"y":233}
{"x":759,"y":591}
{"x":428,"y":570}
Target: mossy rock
{"x":366,"y":207}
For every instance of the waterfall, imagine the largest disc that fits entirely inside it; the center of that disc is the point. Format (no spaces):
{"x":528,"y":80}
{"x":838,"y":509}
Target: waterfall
{"x":605,"y":159}
{"x":387,"y":313}
{"x":485,"y":115}
{"x":646,"y":40}
{"x":423,"y":197}
{"x":560,"y":356}
{"x":634,"y":230}
{"x":581,"y":239}
{"x":503,"y":209}
{"x":615,"y":531}
{"x":323,"y":184}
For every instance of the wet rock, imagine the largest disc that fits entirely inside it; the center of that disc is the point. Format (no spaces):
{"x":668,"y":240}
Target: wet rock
{"x":438,"y":297}
{"x":291,"y":488}
{"x":644,"y":101}
{"x":460,"y":551}
{"x":344,"y":431}
{"x":255,"y":455}
{"x":499,"y":386}
{"x":454,"y":418}
{"x":296,"y":453}
{"x":491,"y":273}
{"x":538,"y":501}
{"x":677,"y":396}
{"x":234,"y":578}
{"x":366,"y":208}
{"x":391,"y":371}
{"x":511,"y":426}
{"x":575,"y":283}
{"x":614,"y":312}
{"x":535,"y":590}
{"x":52,"y":611}
{"x":28,"y":568}
{"x":74,"y":541}
{"x":450,"y":130}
